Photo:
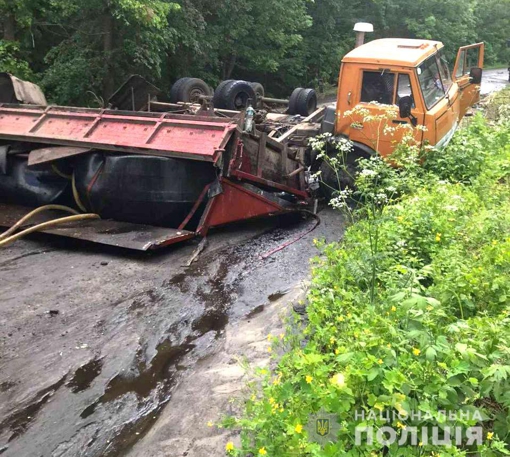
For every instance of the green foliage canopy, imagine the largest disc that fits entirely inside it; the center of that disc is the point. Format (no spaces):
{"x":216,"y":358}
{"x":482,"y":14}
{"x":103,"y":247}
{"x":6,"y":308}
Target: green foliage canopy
{"x":81,"y":51}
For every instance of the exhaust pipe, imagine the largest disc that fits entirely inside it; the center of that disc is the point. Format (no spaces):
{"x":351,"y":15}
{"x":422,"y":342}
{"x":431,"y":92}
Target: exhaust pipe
{"x":361,"y":28}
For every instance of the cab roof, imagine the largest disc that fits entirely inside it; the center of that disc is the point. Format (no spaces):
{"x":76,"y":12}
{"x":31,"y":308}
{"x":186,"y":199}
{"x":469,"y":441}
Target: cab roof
{"x":394,"y":51}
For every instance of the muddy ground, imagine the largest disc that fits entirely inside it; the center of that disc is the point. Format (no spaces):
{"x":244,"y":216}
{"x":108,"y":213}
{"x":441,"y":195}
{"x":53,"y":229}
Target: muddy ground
{"x":95,"y":342}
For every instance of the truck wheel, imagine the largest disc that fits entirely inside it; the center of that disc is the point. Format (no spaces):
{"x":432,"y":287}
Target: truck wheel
{"x":329,"y":181}
{"x":236,"y":95}
{"x":303,"y":102}
{"x":259,"y":90}
{"x":293,"y":101}
{"x":188,"y":90}
{"x":176,"y":88}
{"x":218,"y":93}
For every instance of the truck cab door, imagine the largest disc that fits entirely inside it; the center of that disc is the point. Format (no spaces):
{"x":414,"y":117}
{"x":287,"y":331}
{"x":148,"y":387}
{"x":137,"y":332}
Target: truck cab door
{"x":468,"y":57}
{"x":375,"y":122}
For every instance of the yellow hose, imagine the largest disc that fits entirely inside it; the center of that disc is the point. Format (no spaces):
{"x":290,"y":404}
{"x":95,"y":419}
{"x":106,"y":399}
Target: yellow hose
{"x":32,"y":214}
{"x":77,"y":196}
{"x":45,"y":225}
{"x":60,"y":173}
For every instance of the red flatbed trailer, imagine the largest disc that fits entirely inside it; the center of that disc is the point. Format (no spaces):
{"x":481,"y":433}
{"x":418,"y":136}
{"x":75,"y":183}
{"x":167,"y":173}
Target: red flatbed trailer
{"x":255,"y":174}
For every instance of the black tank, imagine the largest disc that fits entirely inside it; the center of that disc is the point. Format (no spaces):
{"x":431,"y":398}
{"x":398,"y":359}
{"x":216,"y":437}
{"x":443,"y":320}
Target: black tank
{"x":141,"y":189}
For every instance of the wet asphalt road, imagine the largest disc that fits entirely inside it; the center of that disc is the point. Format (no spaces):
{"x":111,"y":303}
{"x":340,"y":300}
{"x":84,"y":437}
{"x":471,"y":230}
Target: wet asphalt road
{"x":94,"y":339}
{"x":494,"y":80}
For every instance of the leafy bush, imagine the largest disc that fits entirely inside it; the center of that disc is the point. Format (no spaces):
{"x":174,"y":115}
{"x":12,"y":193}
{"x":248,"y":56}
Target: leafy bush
{"x":409,"y":312}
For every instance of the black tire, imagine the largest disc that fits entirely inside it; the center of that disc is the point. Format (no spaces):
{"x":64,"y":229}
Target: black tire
{"x":304,"y":102}
{"x":237,"y":94}
{"x":176,"y":89}
{"x":293,"y":101}
{"x":330,"y":183}
{"x":218,"y":93}
{"x":189,"y":90}
{"x":259,"y":90}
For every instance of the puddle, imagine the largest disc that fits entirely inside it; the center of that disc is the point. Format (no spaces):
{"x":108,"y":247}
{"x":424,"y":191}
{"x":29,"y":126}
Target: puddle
{"x":158,"y":374}
{"x":20,"y":420}
{"x":84,"y":376}
{"x":255,"y":311}
{"x":277,"y":295}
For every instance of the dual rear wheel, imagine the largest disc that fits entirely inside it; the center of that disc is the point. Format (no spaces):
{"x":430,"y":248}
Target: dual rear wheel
{"x":236,"y":94}
{"x":230,"y":94}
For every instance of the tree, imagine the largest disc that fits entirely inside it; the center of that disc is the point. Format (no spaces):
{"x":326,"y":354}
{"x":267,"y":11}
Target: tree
{"x":106,"y":40}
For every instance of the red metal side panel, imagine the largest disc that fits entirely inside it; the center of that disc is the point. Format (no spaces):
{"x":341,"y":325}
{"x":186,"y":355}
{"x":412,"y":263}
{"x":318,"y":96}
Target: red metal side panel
{"x":236,"y":203}
{"x":166,"y":135}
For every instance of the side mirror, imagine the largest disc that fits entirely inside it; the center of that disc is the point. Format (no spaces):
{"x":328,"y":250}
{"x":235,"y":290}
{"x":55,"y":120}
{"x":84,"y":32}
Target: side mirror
{"x":475,"y":75}
{"x":404,"y":105}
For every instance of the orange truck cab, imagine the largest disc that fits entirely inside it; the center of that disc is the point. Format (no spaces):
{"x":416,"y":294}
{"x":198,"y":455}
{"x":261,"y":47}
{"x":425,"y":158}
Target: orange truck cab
{"x":411,"y":79}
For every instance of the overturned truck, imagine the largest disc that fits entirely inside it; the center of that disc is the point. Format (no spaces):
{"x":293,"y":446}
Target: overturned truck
{"x":148,"y":172}
{"x":164,"y":173}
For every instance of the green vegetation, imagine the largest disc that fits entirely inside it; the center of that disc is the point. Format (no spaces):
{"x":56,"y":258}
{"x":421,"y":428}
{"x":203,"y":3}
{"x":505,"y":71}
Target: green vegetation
{"x":408,"y":314}
{"x":81,"y":51}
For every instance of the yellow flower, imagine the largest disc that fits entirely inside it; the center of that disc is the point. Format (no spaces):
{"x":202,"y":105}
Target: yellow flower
{"x":269,"y":349}
{"x":230,"y":446}
{"x":340,"y":318}
{"x":393,"y":308}
{"x":269,"y":337}
{"x":298,"y":428}
{"x":389,"y":345}
{"x":309,"y":379}
{"x":282,"y":335}
{"x":438,"y":237}
{"x":262,"y":451}
{"x":210,"y":424}
{"x":380,"y":362}
{"x":337,"y":351}
{"x":401,"y":425}
{"x":490,"y":435}
{"x":416,"y":351}
{"x":332,"y":340}
{"x":400,"y":218}
{"x":338,"y":380}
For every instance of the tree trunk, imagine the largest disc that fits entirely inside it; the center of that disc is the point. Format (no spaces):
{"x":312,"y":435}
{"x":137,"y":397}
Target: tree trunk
{"x":108,"y":83}
{"x":9,"y":27}
{"x":229,"y":66}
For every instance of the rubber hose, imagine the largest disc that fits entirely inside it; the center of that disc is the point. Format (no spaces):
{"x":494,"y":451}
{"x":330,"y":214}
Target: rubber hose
{"x":77,"y":196}
{"x":46,"y":225}
{"x":33,"y":213}
{"x":57,"y":171}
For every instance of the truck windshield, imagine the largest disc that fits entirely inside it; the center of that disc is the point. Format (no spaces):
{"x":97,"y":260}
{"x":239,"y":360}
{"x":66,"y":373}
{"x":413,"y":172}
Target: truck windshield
{"x":444,"y":70}
{"x":430,"y":81}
